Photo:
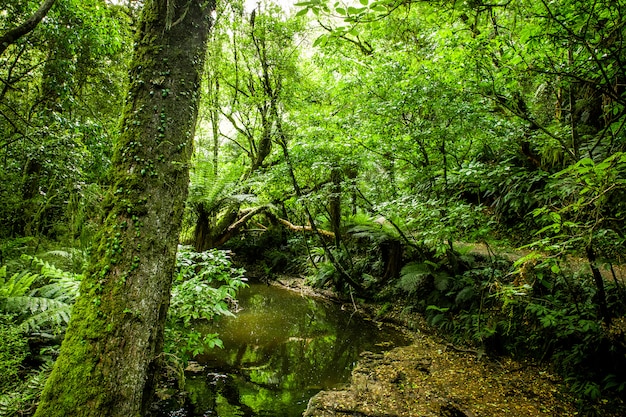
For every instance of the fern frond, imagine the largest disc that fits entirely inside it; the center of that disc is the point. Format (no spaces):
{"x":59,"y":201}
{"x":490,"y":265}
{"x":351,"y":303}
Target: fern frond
{"x":55,"y":314}
{"x":49,"y":270}
{"x":78,"y":258}
{"x":413,"y":277}
{"x":208,"y":189}
{"x":415,"y":268}
{"x":243,"y":198}
{"x":359,"y":219}
{"x":325,"y":273}
{"x":375,"y":229}
{"x":62,"y":289}
{"x":16,"y":402}
{"x":32,"y":305}
{"x":442,"y":280}
{"x":48,"y":306}
{"x":19,"y":284}
{"x":465,"y":294}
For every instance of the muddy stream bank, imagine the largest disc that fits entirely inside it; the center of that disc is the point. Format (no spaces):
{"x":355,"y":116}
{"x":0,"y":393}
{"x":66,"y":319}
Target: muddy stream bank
{"x":343,"y":361}
{"x":430,"y":377}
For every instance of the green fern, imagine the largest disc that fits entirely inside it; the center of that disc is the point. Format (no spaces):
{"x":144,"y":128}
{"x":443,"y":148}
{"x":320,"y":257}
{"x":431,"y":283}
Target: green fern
{"x":18,"y":285}
{"x":379,"y":230}
{"x":62,"y":285}
{"x":209,"y":190}
{"x":71,"y":258}
{"x":21,"y":400}
{"x":442,"y":280}
{"x":466,"y":294}
{"x":326,"y":272}
{"x":41,"y":308}
{"x":13,"y":351}
{"x":55,"y":315}
{"x":414,"y":277}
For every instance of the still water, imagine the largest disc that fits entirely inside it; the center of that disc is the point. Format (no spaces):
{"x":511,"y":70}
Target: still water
{"x":280,"y":350}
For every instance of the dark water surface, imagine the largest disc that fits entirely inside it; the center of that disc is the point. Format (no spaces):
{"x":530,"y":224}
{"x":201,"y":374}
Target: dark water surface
{"x":280,"y":350}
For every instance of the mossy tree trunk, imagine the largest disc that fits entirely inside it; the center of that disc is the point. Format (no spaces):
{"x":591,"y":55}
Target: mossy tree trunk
{"x":111,"y":349}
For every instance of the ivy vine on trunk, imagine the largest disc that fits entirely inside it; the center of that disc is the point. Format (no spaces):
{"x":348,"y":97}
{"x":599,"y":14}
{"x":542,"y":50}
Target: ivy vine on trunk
{"x":111,"y":350}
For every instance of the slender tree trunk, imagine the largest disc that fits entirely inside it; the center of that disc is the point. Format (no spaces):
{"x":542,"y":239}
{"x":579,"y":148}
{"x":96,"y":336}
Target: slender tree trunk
{"x":345,"y":276}
{"x":597,"y":277}
{"x":335,"y":204}
{"x":108,"y":359}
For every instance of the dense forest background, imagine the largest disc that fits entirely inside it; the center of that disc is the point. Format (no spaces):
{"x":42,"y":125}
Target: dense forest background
{"x":461,"y":159}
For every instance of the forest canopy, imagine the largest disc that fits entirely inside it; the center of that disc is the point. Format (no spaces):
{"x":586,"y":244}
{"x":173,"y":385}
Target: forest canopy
{"x":464,"y":159}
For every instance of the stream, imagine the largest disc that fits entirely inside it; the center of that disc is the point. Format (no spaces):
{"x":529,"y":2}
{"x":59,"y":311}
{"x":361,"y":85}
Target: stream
{"x":280,"y":350}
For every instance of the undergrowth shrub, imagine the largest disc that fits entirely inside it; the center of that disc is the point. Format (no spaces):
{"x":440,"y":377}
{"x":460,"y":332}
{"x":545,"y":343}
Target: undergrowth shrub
{"x":13,"y":351}
{"x":533,"y":308}
{"x":205,"y":287}
{"x":22,"y":399}
{"x":40,"y":296}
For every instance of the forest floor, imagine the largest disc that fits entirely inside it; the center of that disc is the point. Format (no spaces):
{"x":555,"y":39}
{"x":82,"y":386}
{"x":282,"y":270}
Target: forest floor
{"x":429,"y":378}
{"x":433,"y":378}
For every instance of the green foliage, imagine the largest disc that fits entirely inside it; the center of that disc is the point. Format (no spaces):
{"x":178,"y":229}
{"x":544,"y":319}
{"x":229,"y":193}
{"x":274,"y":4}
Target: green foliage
{"x":204,"y":288}
{"x":13,"y":351}
{"x":210,"y":190}
{"x":17,"y":285}
{"x":22,"y":399}
{"x":41,"y":301}
{"x":19,"y":387}
{"x":591,"y":210}
{"x":60,"y":105}
{"x":441,"y":123}
{"x":325,"y":273}
{"x":415,"y":277}
{"x":378,"y":230}
{"x":538,"y":310}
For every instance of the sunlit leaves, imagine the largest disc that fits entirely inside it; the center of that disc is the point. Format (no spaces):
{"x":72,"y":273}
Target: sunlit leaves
{"x":205,"y":287}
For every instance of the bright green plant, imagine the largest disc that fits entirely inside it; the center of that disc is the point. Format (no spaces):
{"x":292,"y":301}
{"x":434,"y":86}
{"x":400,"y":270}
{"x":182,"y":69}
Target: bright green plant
{"x":41,"y":301}
{"x":204,"y":288}
{"x":36,"y":300}
{"x":13,"y":350}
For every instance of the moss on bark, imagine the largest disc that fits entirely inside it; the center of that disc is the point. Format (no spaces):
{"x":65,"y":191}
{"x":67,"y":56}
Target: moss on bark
{"x":112,"y":345}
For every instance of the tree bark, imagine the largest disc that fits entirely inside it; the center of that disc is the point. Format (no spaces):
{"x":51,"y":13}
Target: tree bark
{"x":111,"y":350}
{"x":31,"y":23}
{"x":599,"y":281}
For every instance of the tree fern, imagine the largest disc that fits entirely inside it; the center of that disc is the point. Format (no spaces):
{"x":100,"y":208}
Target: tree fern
{"x":209,"y":189}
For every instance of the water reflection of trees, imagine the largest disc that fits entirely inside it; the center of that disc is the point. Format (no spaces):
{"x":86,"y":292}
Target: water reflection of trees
{"x":293,"y":348}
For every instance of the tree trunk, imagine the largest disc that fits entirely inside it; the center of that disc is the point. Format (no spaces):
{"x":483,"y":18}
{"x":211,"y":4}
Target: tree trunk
{"x":111,"y":350}
{"x":597,"y":277}
{"x":335,"y":204}
{"x":391,"y":253}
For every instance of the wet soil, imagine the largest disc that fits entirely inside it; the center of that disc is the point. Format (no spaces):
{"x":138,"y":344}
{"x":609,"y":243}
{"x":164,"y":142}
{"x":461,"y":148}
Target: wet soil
{"x":433,"y":378}
{"x":429,"y":378}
